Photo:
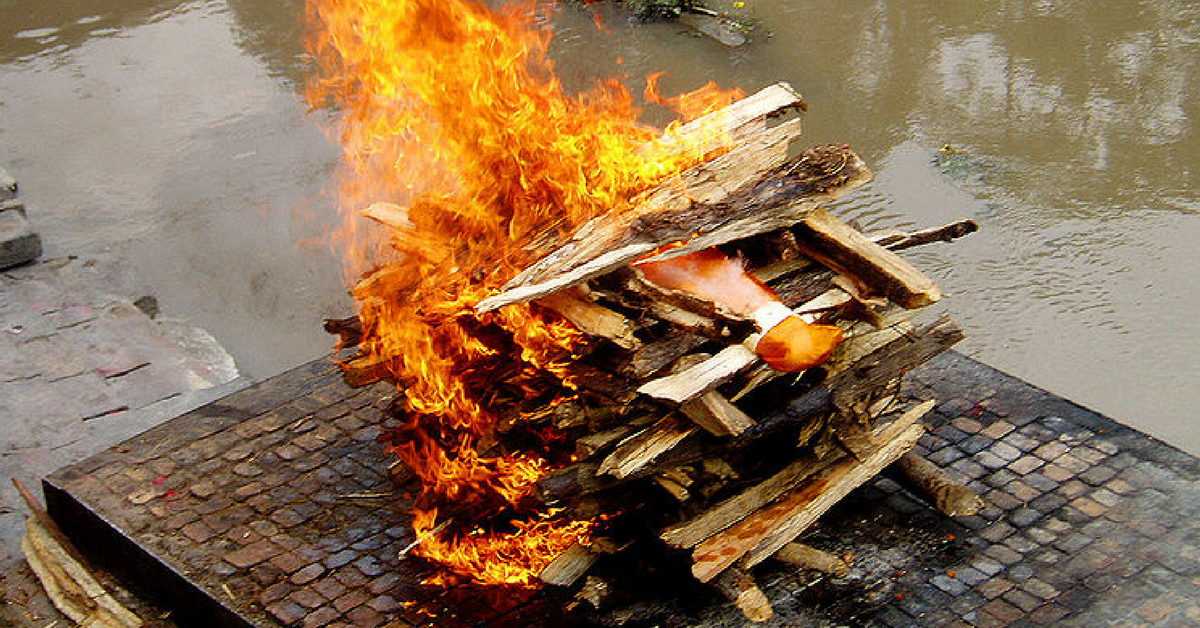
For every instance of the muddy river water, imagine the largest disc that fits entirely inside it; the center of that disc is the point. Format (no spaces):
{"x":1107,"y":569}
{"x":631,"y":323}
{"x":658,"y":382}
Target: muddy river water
{"x":171,"y":135}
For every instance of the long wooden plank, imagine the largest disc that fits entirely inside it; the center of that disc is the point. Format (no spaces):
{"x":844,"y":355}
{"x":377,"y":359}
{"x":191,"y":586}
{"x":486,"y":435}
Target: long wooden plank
{"x":841,"y":247}
{"x":806,"y":509}
{"x":692,"y":532}
{"x":779,"y":523}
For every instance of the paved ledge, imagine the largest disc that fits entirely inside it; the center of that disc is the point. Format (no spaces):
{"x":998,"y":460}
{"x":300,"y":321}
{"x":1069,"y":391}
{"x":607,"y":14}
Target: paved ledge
{"x":255,"y":510}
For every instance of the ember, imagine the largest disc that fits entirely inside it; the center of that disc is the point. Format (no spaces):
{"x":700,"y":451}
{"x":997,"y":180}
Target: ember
{"x":580,"y":310}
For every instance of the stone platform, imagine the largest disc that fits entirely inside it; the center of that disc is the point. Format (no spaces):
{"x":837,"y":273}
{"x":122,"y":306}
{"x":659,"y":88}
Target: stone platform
{"x":272,"y":507}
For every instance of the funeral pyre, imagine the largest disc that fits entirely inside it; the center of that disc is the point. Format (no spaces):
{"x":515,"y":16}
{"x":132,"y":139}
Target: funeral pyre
{"x":606,"y":334}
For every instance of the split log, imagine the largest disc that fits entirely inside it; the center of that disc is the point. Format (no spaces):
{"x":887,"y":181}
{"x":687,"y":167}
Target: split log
{"x":869,"y":265}
{"x":701,"y":378}
{"x":365,"y":370}
{"x":390,"y":214}
{"x":70,"y":586}
{"x":569,"y":566}
{"x":945,"y":233}
{"x":692,"y":532}
{"x":348,"y":330}
{"x":657,"y":355}
{"x":595,"y":591}
{"x":589,"y":444}
{"x":717,"y":414}
{"x":760,"y":203}
{"x":808,"y":557}
{"x":761,"y":534}
{"x":946,"y":493}
{"x":731,"y":124}
{"x":592,"y":319}
{"x":739,"y":586}
{"x":65,"y":574}
{"x":642,"y":448}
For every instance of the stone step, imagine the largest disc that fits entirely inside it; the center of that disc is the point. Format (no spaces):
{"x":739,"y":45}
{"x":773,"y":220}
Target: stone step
{"x":18,"y":243}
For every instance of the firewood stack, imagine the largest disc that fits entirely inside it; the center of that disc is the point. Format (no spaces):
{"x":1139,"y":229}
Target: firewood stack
{"x":679,"y":427}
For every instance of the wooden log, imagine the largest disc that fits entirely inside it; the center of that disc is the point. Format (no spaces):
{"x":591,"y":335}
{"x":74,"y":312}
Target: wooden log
{"x":348,"y":330}
{"x":642,"y":448}
{"x":739,"y":586}
{"x":717,"y":414}
{"x":365,"y":370}
{"x":692,"y":532}
{"x":592,"y":319}
{"x":943,"y":490}
{"x":809,"y":557}
{"x":842,"y":248}
{"x":945,"y":233}
{"x":731,"y":124}
{"x":761,"y":534}
{"x":701,"y":378}
{"x":569,"y":566}
{"x":752,"y":203}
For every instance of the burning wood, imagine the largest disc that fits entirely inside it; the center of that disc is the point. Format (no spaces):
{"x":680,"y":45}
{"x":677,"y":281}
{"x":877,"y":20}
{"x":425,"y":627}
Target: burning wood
{"x":593,"y":326}
{"x":650,"y":407}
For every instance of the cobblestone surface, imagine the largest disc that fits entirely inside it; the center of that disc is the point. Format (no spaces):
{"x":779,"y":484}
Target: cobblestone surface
{"x":275,"y":500}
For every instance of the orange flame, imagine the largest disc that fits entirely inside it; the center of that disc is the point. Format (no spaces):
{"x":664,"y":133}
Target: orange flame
{"x":451,"y":111}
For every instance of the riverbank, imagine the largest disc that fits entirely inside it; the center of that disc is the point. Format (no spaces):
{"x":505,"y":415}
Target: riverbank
{"x":83,"y":367}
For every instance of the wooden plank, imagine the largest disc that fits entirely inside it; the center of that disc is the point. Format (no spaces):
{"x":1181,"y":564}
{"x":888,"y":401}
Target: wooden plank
{"x":841,"y":247}
{"x":642,"y":448}
{"x":766,"y":530}
{"x":717,"y":414}
{"x":807,"y":508}
{"x":701,"y":378}
{"x":592,"y":319}
{"x":692,"y":532}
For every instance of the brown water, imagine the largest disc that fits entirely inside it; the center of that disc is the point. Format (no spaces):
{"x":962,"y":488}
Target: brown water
{"x":170,"y":134}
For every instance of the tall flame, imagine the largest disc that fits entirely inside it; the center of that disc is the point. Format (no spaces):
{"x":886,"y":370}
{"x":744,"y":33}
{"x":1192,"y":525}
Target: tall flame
{"x":451,"y":111}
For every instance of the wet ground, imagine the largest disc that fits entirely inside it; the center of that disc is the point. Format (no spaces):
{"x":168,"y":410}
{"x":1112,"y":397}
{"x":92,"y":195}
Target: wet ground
{"x":168,"y":136}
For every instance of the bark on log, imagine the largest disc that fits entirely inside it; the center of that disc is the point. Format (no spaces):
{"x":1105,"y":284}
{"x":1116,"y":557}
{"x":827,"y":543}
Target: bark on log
{"x":946,"y":493}
{"x":739,"y":586}
{"x":760,"y":202}
{"x":808,"y":557}
{"x":842,"y":248}
{"x":945,"y":233}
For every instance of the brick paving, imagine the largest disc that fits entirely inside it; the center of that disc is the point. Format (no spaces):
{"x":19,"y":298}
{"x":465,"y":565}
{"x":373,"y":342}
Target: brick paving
{"x":275,"y":502}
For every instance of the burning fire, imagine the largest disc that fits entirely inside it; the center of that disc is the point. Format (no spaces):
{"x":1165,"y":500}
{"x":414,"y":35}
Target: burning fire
{"x":451,"y":111}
